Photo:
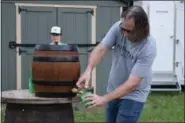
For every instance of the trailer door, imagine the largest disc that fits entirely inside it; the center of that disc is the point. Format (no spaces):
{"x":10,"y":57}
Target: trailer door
{"x":161,"y":15}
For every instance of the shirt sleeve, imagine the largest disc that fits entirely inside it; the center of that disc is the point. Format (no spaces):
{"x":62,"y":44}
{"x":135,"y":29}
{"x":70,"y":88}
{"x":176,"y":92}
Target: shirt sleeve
{"x":144,"y":63}
{"x":110,"y":38}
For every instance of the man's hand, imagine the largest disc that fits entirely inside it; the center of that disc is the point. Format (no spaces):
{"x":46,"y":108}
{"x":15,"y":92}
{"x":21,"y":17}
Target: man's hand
{"x":95,"y":100}
{"x":95,"y":57}
{"x":83,"y":81}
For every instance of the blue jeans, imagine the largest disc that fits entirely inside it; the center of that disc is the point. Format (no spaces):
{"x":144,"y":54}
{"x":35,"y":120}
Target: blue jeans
{"x":123,"y":111}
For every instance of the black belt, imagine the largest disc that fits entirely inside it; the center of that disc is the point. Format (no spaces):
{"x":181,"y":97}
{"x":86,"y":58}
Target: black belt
{"x":56,"y":59}
{"x":46,"y":47}
{"x":54,"y":83}
{"x":55,"y":94}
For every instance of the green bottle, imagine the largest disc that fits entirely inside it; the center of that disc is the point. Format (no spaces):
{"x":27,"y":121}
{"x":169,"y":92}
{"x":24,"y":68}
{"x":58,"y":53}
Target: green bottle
{"x":82,"y":93}
{"x":31,"y":89}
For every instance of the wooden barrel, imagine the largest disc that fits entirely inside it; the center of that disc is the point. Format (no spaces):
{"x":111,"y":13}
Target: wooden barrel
{"x":55,"y":70}
{"x":24,"y":107}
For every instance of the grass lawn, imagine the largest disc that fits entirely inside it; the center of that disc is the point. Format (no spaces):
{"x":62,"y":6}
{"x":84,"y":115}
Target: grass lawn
{"x":160,"y":107}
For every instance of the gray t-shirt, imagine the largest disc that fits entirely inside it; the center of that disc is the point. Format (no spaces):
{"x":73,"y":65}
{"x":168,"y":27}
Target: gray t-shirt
{"x":130,"y":59}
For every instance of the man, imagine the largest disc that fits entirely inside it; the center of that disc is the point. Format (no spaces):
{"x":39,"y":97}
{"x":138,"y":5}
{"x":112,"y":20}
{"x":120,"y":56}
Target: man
{"x":56,"y":34}
{"x":131,"y":71}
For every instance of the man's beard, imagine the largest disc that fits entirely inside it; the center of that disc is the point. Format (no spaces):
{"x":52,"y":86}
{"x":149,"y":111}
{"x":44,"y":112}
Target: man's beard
{"x":134,"y":39}
{"x":137,"y":37}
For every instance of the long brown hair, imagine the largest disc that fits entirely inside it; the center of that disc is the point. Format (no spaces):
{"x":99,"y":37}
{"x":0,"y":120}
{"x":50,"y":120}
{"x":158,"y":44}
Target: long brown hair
{"x":140,"y":17}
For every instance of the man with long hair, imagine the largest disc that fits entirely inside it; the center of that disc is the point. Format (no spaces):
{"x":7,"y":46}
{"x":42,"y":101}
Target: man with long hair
{"x":134,"y":51}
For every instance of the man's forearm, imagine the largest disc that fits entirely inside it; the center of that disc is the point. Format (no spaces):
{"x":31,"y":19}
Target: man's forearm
{"x":95,"y":57}
{"x":123,"y":89}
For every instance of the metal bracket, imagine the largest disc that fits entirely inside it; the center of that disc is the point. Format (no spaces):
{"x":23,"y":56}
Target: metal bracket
{"x":20,"y":51}
{"x":91,"y":12}
{"x":182,"y":68}
{"x":86,"y":12}
{"x":177,"y":41}
{"x":22,"y":9}
{"x":13,"y":45}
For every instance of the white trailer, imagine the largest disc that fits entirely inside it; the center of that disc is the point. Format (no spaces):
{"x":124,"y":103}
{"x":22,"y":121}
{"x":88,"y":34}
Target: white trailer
{"x":167,"y":26}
